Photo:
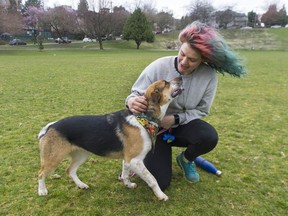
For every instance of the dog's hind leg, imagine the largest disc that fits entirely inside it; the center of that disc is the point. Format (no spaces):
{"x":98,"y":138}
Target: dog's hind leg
{"x":42,"y":190}
{"x":53,"y":149}
{"x":139,"y":168}
{"x":48,"y":165}
{"x":78,"y":157}
{"x":50,"y":157}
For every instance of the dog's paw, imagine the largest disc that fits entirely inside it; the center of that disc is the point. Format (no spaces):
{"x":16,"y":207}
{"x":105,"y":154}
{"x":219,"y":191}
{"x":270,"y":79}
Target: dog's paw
{"x":131,"y":185}
{"x":163,"y":197}
{"x":82,"y":186}
{"x":42,"y":192}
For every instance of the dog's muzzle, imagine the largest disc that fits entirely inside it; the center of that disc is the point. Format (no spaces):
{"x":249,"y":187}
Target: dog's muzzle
{"x":177,"y":87}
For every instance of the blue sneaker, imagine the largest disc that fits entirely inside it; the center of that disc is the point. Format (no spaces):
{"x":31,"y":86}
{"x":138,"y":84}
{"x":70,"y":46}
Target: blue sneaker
{"x":189,"y":168}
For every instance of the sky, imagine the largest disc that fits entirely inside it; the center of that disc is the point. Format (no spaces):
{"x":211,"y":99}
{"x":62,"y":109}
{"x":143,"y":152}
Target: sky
{"x":179,"y":7}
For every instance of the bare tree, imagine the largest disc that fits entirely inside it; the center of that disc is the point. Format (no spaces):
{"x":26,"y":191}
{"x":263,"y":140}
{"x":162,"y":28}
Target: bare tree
{"x":61,"y":20}
{"x":223,"y":18}
{"x":148,"y":8}
{"x":201,"y":10}
{"x":164,"y":20}
{"x":119,"y":17}
{"x":10,"y":21}
{"x":96,"y":23}
{"x":14,"y":5}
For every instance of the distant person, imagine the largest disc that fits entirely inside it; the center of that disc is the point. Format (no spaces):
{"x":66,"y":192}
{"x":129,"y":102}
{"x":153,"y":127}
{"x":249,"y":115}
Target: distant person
{"x":202,"y":54}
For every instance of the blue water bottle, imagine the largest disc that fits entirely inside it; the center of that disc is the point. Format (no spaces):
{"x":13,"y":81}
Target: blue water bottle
{"x":207,"y":166}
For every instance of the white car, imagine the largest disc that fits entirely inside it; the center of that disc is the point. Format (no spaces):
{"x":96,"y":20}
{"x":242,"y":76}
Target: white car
{"x":276,"y":26}
{"x":88,"y":40}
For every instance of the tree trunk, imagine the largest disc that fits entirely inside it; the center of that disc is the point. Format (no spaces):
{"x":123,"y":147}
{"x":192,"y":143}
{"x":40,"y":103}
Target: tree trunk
{"x":138,"y":44}
{"x":100,"y":44}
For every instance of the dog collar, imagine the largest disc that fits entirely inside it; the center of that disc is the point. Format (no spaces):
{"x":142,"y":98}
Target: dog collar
{"x":151,"y":126}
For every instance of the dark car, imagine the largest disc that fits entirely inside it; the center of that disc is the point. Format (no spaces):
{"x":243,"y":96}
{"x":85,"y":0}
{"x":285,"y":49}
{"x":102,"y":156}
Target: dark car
{"x":62,"y":40}
{"x":17,"y":42}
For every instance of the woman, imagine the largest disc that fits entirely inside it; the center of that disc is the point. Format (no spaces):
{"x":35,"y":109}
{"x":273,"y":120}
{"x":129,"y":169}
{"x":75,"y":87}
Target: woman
{"x":203,"y":52}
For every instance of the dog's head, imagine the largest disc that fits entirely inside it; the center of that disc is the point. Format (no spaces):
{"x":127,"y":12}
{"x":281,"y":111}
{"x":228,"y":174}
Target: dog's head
{"x":160,"y":94}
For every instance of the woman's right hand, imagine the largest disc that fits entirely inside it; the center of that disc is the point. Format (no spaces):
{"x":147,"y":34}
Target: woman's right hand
{"x":137,"y":104}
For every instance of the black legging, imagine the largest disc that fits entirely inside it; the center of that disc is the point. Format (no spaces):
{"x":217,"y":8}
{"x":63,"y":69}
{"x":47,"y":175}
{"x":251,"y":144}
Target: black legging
{"x":198,"y":136}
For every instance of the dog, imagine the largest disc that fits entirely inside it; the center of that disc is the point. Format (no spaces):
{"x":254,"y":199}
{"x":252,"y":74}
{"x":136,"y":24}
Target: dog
{"x":119,"y":135}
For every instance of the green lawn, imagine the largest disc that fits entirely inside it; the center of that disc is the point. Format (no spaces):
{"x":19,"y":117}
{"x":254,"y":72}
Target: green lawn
{"x":250,"y":115}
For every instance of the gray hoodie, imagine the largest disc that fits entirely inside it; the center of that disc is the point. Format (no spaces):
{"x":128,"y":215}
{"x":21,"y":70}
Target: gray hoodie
{"x":199,"y":87}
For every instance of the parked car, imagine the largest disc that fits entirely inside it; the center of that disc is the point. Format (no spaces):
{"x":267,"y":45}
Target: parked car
{"x":63,"y":40}
{"x":5,"y":36}
{"x":276,"y":26}
{"x":246,"y":28}
{"x":86,"y":40}
{"x":17,"y":42}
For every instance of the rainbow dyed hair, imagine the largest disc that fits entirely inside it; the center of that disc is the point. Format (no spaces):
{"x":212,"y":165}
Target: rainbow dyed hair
{"x":213,"y":48}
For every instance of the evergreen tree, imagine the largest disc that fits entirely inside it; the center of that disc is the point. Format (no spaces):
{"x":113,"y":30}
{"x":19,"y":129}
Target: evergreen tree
{"x":283,"y":16}
{"x":137,"y":28}
{"x":83,"y":8}
{"x":253,"y":19}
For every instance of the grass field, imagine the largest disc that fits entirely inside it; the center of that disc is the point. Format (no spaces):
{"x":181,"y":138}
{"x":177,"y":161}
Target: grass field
{"x":250,"y":115}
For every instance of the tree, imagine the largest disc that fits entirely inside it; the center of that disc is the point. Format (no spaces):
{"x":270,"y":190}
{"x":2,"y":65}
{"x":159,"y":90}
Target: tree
{"x":97,"y":24}
{"x":223,"y":18}
{"x":148,"y":8}
{"x":201,"y":10}
{"x":32,"y":17}
{"x":14,"y":5}
{"x":184,"y":21}
{"x":283,"y":19}
{"x":252,"y":19}
{"x":119,"y":17}
{"x":10,"y":21}
{"x":137,"y":28}
{"x":83,"y":8}
{"x":61,"y":20}
{"x":164,"y":20}
{"x":271,"y":16}
{"x":34,"y":3}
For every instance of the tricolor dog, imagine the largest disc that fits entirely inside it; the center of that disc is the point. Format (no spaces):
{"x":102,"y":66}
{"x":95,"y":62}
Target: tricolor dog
{"x":116,"y":135}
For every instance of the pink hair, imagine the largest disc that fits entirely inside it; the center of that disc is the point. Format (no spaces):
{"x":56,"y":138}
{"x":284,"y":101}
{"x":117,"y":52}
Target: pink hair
{"x":212,"y":47}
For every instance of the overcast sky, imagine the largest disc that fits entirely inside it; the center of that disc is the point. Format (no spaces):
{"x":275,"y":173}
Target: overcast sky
{"x":179,"y":7}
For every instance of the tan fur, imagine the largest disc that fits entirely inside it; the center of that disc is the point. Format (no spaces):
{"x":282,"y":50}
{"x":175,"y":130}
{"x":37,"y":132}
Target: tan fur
{"x":53,"y":149}
{"x":157,"y":88}
{"x":132,"y":141}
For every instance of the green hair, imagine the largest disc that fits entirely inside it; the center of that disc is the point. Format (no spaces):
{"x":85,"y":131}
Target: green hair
{"x":213,"y":48}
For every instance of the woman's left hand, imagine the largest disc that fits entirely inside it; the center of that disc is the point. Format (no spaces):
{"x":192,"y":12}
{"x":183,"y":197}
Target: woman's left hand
{"x":167,"y":122}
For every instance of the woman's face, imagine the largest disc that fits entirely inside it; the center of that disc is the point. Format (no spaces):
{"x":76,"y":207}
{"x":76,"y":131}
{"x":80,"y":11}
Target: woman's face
{"x":188,"y":59}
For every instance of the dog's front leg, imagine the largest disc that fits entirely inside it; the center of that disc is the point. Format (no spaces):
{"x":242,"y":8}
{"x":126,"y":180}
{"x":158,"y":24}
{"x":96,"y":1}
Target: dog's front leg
{"x":139,"y":168}
{"x":125,"y":175}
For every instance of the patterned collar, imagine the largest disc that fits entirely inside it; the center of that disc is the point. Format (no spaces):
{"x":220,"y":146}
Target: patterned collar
{"x":151,"y":126}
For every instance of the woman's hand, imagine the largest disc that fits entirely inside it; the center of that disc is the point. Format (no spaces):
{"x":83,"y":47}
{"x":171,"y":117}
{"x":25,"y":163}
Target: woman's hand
{"x":167,"y":122}
{"x":137,"y":104}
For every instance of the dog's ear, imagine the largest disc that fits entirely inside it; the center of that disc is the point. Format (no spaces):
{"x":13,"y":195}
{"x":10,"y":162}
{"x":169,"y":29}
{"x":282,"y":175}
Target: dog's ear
{"x":155,"y":95}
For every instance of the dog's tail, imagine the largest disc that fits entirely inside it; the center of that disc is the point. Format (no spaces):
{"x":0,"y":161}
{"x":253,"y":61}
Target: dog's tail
{"x":44,"y":130}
